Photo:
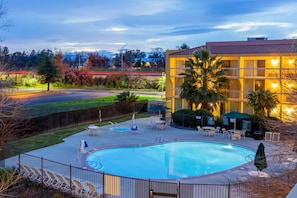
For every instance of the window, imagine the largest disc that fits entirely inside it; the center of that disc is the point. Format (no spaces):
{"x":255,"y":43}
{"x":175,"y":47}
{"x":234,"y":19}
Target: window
{"x":259,"y":84}
{"x":187,"y":63}
{"x":260,"y":67}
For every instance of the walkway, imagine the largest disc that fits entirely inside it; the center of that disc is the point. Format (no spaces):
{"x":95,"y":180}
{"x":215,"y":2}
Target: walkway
{"x":68,"y":152}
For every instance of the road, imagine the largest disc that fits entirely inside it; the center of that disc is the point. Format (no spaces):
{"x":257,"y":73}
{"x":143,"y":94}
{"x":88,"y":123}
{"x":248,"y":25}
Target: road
{"x":38,"y":96}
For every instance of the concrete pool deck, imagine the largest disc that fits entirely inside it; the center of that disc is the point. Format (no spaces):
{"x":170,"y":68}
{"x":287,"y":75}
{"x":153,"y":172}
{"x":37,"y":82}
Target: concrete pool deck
{"x":68,"y":152}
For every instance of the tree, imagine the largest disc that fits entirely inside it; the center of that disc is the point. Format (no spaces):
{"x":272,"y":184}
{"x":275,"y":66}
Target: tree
{"x":61,"y":67}
{"x":4,"y":58}
{"x":261,"y":101}
{"x":9,"y":180}
{"x":47,"y":68}
{"x":204,"y":79}
{"x":183,"y":46}
{"x":126,"y":97}
{"x":161,"y":83}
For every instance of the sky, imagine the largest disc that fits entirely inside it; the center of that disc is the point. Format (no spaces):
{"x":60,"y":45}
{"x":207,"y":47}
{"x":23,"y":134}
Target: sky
{"x":112,"y":25}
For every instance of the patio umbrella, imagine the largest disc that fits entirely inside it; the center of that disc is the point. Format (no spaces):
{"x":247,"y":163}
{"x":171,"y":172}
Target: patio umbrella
{"x":260,"y":158}
{"x":236,"y":115}
{"x":158,"y":108}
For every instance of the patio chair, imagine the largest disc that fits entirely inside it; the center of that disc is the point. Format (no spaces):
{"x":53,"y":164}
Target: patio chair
{"x":225,"y":132}
{"x":31,"y":174}
{"x":160,"y":126}
{"x":212,"y":132}
{"x":79,"y":188}
{"x":70,"y":184}
{"x":38,"y":174}
{"x":92,"y":192}
{"x":22,"y":169}
{"x":200,"y":130}
{"x":153,"y":125}
{"x":218,"y":129}
{"x":236,"y":136}
{"x":46,"y":179}
{"x":243,"y":133}
{"x":53,"y":181}
{"x":63,"y":182}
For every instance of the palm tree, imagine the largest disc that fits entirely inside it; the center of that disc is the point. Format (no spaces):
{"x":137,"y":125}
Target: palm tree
{"x":204,"y":80}
{"x":262,"y":100}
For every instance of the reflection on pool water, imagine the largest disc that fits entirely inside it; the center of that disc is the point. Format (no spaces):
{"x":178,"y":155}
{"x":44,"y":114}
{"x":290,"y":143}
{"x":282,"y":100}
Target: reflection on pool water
{"x":169,"y":161}
{"x":120,"y":129}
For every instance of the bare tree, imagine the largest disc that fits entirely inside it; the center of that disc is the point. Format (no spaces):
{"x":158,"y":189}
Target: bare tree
{"x":12,"y":119}
{"x":9,"y":178}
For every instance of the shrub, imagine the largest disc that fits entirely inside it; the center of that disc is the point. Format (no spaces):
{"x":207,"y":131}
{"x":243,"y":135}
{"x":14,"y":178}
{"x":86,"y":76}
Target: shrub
{"x":126,"y":97}
{"x":29,"y":82}
{"x":11,"y":81}
{"x":77,"y":77}
{"x":187,"y":117}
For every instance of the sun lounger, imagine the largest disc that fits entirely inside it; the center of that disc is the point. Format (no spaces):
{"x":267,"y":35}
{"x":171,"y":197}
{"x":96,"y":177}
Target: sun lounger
{"x":32,"y":174}
{"x":92,"y":191}
{"x":79,"y":188}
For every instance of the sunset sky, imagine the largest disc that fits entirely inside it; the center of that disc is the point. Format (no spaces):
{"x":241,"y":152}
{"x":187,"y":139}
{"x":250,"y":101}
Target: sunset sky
{"x":94,"y":25}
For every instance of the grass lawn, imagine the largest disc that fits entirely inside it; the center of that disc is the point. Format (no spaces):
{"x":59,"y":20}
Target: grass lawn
{"x":45,"y":109}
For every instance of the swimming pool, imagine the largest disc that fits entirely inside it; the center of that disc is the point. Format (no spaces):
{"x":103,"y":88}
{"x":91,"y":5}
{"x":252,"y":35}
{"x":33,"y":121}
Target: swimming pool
{"x":170,"y":160}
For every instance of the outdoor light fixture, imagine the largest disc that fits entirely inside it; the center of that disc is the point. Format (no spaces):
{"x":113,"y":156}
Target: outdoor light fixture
{"x":289,"y":110}
{"x":274,"y":85}
{"x":291,"y":61}
{"x":274,"y":62}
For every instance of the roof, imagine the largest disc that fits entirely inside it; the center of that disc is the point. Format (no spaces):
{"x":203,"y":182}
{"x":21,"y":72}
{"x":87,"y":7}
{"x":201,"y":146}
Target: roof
{"x":246,"y":47}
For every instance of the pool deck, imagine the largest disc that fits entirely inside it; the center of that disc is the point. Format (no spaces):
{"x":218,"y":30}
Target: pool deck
{"x":69,"y":151}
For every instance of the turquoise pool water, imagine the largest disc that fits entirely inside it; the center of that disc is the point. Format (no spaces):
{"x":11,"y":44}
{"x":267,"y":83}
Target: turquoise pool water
{"x":170,"y":160}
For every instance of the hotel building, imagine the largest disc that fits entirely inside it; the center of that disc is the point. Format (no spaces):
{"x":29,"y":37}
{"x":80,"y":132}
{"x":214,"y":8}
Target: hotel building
{"x":250,"y":65}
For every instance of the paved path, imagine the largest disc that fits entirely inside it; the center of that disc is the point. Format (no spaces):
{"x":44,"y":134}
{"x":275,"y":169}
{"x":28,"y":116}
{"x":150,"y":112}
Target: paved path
{"x":68,"y":152}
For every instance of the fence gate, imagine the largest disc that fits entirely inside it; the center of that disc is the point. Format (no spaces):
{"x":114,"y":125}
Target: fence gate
{"x":152,"y":194}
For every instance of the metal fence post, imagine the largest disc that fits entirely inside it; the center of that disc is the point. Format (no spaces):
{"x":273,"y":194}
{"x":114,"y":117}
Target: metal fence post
{"x":19,"y":158}
{"x":229,"y":190}
{"x":151,"y":195}
{"x":178,"y":189}
{"x":70,"y":176}
{"x":41,"y":166}
{"x":103,"y":184}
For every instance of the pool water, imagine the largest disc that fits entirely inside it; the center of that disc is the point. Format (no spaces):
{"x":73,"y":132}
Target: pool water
{"x":170,"y":160}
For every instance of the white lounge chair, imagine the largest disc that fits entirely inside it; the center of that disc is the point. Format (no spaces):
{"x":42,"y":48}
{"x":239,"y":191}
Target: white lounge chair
{"x":63,"y":183}
{"x":92,"y":191}
{"x":32,"y":175}
{"x":79,"y":188}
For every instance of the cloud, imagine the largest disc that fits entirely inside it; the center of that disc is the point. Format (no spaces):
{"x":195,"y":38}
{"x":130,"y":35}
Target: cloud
{"x":117,"y":29}
{"x":245,"y":26}
{"x":110,"y":24}
{"x":188,"y":31}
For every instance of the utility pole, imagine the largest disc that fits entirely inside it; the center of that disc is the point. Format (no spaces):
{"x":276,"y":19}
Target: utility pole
{"x":122,"y":57}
